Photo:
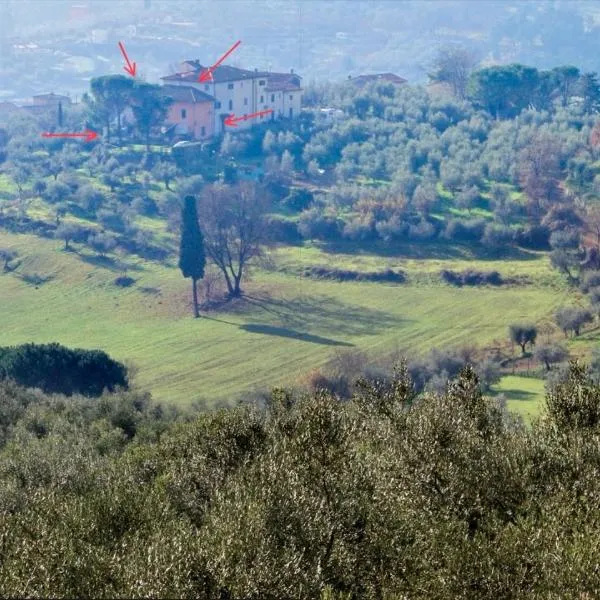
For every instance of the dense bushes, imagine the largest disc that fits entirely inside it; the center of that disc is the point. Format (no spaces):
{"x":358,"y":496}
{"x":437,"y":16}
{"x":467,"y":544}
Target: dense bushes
{"x":56,"y":369}
{"x":348,"y":275}
{"x":472,"y":277}
{"x":382,"y":496}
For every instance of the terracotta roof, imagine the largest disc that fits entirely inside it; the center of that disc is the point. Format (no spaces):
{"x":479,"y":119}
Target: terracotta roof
{"x":225,"y":73}
{"x":283,"y":82}
{"x":184,"y":93}
{"x":379,"y":77}
{"x":221,"y":74}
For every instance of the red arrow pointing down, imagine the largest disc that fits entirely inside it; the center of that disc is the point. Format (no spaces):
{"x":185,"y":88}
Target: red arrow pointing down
{"x":88,"y":134}
{"x":131,"y":67}
{"x":232,"y":120}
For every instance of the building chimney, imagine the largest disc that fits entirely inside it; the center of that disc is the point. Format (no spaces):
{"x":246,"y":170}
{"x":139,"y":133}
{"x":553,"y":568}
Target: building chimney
{"x":349,"y":77}
{"x":256,"y":69}
{"x":292,"y":71}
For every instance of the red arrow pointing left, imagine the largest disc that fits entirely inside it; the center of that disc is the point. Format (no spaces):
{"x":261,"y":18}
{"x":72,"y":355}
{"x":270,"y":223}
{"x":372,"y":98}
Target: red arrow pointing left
{"x":88,"y":134}
{"x":232,"y":120}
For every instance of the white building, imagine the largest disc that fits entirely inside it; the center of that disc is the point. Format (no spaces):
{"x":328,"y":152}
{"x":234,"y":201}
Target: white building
{"x":241,"y":92}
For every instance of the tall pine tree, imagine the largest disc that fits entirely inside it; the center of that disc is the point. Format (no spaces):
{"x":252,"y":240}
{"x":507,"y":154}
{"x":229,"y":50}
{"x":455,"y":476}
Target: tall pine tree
{"x":192,"y":259}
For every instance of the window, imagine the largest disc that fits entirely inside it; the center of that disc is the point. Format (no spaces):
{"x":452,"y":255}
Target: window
{"x":207,"y":87}
{"x":231,"y":105}
{"x":262,"y":99}
{"x":183,"y":113}
{"x":261,"y":82}
{"x":202,"y":131}
{"x":291,"y":98}
{"x":272,"y":97}
{"x":230,"y":86}
{"x":245,"y":101}
{"x":217,"y":105}
{"x":291,"y":112}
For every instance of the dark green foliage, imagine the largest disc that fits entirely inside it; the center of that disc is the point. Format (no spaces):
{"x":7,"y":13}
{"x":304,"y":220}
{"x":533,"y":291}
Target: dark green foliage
{"x":347,"y":275}
{"x":523,"y":334}
{"x":385,"y":495}
{"x":575,"y":402}
{"x":192,"y":258}
{"x":56,"y":369}
{"x":149,"y":107}
{"x":298,"y":199}
{"x":124,"y":281}
{"x":472,"y":277}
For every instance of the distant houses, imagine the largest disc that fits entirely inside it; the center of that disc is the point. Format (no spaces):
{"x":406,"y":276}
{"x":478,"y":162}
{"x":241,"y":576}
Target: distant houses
{"x":200,"y":109}
{"x":42,"y":104}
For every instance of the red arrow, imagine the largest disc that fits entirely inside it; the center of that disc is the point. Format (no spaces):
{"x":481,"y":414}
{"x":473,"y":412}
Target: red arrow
{"x":87,"y":134}
{"x":130,"y":68}
{"x":206,"y":75}
{"x":232,"y":120}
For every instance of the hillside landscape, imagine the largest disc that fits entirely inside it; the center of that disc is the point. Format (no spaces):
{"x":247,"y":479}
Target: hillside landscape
{"x":321,"y":335}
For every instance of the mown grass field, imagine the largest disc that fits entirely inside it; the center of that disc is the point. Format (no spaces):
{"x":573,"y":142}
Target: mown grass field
{"x":287,"y":325}
{"x":524,"y":395}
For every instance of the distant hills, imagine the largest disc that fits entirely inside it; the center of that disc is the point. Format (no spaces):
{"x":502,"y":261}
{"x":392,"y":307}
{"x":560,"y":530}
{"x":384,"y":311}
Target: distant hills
{"x":57,"y":45}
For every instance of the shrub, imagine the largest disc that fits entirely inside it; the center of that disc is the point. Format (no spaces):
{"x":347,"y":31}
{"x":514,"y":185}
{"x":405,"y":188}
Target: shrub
{"x":56,"y":369}
{"x":535,"y":237}
{"x":422,"y":231}
{"x":124,"y":281}
{"x":471,"y":277}
{"x":298,"y":199}
{"x":90,"y":199}
{"x":144,"y":205}
{"x":496,"y":237}
{"x":465,"y":231}
{"x":590,"y":280}
{"x":283,"y":230}
{"x":111,"y":220}
{"x":348,"y":275}
{"x":359,"y":228}
{"x":313,"y":224}
{"x":56,"y":191}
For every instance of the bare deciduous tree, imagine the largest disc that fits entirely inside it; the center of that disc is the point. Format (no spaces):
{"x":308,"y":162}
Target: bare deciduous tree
{"x":231,"y":218}
{"x":453,"y":65}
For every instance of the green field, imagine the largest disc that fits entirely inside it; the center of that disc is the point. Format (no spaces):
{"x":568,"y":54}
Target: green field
{"x":524,"y":395}
{"x":287,"y":326}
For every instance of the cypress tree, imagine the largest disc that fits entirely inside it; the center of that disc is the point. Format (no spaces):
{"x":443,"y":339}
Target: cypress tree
{"x":192,"y":258}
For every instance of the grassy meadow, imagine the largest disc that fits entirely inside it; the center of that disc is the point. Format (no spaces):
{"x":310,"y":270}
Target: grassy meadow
{"x":287,"y":325}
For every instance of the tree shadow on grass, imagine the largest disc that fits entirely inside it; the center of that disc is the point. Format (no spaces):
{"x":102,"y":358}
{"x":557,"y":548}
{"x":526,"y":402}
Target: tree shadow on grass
{"x":292,"y":334}
{"x":519,"y":395}
{"x":324,"y":314}
{"x":109,"y":262}
{"x":426,"y":250}
{"x":35,"y":279}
